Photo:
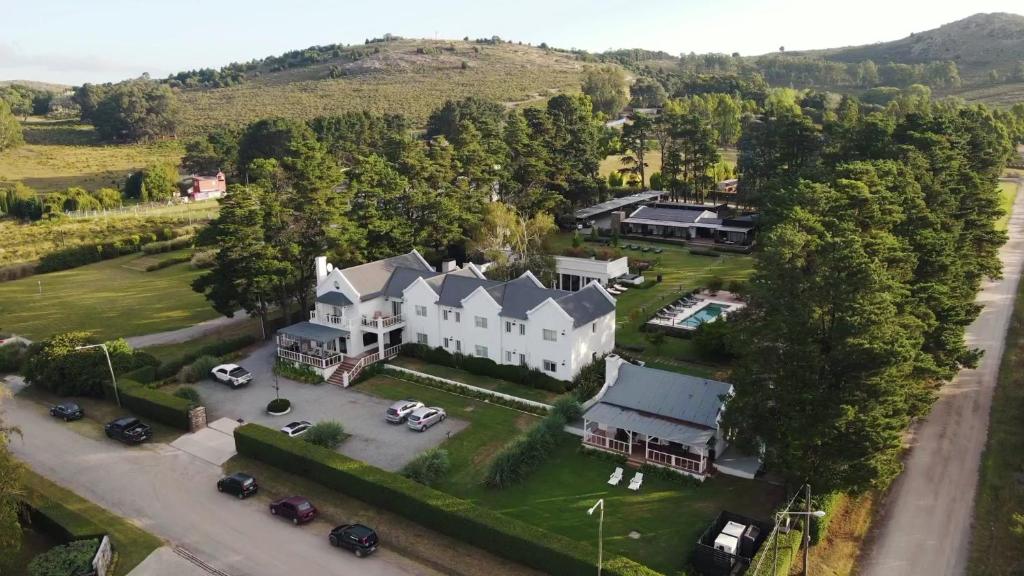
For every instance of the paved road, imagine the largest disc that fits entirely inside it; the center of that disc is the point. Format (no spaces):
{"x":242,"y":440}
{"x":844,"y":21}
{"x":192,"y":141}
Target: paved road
{"x":925,"y":524}
{"x":170,"y":493}
{"x":187,"y":333}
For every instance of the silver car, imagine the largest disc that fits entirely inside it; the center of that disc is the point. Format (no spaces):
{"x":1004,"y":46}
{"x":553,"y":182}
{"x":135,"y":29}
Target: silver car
{"x":424,"y":418}
{"x":399,"y":411}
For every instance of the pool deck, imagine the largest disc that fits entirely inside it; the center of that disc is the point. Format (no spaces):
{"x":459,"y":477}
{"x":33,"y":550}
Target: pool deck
{"x":728,"y":301}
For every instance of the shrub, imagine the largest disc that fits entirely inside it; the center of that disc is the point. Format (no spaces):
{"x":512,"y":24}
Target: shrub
{"x":204,"y":259}
{"x":704,"y":252}
{"x":300,"y":373}
{"x":279,"y":405}
{"x":715,"y":341}
{"x":529,"y":450}
{"x":168,"y":245}
{"x":486,"y":367}
{"x":455,"y":389}
{"x":589,"y":381}
{"x":820,"y":526}
{"x":12,"y":357}
{"x":567,"y":408}
{"x":56,"y":519}
{"x":168,"y":262}
{"x":328,"y":434}
{"x":188,"y":393}
{"x":715,"y":283}
{"x":172,"y":367}
{"x":153,"y":404}
{"x":57,"y":365}
{"x":199,"y":369}
{"x":507,"y":537}
{"x":428,"y":468}
{"x":65,"y":560}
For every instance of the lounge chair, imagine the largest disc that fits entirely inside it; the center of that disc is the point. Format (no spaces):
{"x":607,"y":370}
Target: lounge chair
{"x":637,"y":480}
{"x":646,"y":249}
{"x":620,"y":288}
{"x":616,"y":477}
{"x":658,"y":250}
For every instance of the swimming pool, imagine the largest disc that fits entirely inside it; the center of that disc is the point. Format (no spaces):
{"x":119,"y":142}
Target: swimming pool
{"x":705,"y":314}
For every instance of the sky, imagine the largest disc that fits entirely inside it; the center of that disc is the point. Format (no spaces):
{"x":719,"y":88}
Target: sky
{"x":76,"y":41}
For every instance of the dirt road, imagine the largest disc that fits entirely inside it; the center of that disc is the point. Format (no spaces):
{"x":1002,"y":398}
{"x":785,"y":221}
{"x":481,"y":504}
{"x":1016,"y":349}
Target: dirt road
{"x":925,"y":523}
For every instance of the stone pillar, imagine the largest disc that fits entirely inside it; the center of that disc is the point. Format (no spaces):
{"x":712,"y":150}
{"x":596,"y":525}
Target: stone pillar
{"x":196,"y":418}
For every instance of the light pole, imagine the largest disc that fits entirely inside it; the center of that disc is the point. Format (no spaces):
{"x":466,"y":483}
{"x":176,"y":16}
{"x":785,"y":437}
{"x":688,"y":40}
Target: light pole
{"x":600,"y":533}
{"x":807,"y":530}
{"x":110,"y":365}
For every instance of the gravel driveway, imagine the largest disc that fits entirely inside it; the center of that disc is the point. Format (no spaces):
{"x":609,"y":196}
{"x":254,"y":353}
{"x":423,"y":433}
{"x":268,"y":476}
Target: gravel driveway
{"x":373,"y":440}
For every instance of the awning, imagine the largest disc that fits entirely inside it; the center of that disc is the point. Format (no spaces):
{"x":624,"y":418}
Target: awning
{"x":612,"y":416}
{"x":333,"y":298}
{"x":311,"y":331}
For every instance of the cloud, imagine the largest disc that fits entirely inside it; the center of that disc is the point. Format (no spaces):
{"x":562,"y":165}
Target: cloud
{"x":76,"y":68}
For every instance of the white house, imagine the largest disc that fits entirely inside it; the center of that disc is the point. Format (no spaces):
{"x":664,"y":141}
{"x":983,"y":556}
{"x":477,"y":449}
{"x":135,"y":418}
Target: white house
{"x":573,"y":274}
{"x":658,"y":417}
{"x":365,"y":313}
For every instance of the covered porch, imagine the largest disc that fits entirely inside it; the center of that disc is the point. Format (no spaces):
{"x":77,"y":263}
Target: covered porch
{"x":321,"y":347}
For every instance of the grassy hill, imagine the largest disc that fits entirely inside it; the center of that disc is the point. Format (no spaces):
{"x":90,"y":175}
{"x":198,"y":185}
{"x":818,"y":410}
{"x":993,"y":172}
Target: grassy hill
{"x":977,"y":44}
{"x":401,"y":76}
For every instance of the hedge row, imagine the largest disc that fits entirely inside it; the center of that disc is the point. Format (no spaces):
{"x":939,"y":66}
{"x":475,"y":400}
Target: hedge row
{"x":83,"y":254}
{"x":487,"y":367}
{"x":60,"y":522}
{"x":168,"y":245}
{"x":461,"y":391}
{"x":528,"y":451}
{"x":168,"y":262}
{"x":171,"y":367}
{"x":153,"y":404}
{"x":819,"y":526}
{"x":460,"y":519}
{"x":789,"y":546}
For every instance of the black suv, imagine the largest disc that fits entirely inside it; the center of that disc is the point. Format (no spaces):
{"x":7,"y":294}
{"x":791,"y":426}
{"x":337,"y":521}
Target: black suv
{"x":355,"y":537}
{"x":128,"y":430}
{"x":67,"y":411}
{"x":239,"y":484}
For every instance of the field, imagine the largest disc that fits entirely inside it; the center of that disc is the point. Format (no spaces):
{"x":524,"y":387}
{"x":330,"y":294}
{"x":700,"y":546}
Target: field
{"x":58,"y":155}
{"x":397,"y":79}
{"x":1000,"y":95}
{"x":995,"y":548}
{"x":668,"y":515}
{"x":502,"y":386}
{"x":108,"y":299}
{"x":681,"y":272}
{"x":653,"y":160}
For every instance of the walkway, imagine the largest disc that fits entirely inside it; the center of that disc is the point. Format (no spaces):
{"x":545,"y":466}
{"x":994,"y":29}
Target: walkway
{"x":188,"y":333}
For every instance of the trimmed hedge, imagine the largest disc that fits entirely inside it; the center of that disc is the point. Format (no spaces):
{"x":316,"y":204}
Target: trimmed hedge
{"x":704,"y":252}
{"x":487,"y":367}
{"x":170,"y":368}
{"x":168,"y":262}
{"x":153,"y":404}
{"x":60,"y":522}
{"x":168,"y":245}
{"x":461,"y":519}
{"x":820,"y":526}
{"x":72,"y":558}
{"x":789,"y":546}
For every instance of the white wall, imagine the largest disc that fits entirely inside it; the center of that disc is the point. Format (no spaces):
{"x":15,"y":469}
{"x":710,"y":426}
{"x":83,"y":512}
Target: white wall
{"x":587,"y":341}
{"x":420,"y":294}
{"x":479,"y":303}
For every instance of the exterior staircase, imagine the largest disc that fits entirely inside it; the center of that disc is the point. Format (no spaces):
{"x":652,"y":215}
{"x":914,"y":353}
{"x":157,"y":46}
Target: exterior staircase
{"x":347,"y":366}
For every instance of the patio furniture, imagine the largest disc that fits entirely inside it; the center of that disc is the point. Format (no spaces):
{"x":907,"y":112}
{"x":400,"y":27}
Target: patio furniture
{"x":646,"y":249}
{"x":616,"y":477}
{"x":620,"y":288}
{"x":658,"y":250}
{"x":637,"y":480}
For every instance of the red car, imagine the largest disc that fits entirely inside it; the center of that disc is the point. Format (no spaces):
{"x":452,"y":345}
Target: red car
{"x":295,"y":508}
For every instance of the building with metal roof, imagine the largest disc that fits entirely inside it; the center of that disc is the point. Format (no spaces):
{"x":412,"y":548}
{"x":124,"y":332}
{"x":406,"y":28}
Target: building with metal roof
{"x":604,"y":209}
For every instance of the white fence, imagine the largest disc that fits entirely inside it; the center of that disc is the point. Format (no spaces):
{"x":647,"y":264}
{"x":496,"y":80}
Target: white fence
{"x":469,"y":387}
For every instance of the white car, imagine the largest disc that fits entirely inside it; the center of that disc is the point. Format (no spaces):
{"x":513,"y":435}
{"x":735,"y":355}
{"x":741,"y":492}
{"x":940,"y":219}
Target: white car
{"x":399,"y":411}
{"x":231,"y":374}
{"x":424,"y":418}
{"x":296,"y":428}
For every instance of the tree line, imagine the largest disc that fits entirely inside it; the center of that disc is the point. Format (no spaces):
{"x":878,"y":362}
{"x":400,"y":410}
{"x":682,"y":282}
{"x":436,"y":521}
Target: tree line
{"x":877,"y":229}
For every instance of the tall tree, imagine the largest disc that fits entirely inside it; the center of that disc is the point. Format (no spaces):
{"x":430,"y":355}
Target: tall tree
{"x":10,"y":129}
{"x":607,"y":89}
{"x":134,"y":111}
{"x":635,"y":136}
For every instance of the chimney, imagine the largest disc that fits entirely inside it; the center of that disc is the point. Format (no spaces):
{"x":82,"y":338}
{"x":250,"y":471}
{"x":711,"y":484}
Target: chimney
{"x":320,"y":264}
{"x":448,"y":266}
{"x":612,"y":362}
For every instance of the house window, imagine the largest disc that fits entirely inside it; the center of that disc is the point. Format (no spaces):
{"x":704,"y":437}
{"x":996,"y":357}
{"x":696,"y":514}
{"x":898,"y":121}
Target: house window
{"x":421,"y":311}
{"x":444,"y":314}
{"x":593,"y":328}
{"x":550,"y":366}
{"x":481,"y":351}
{"x":508,"y":356}
{"x":458,"y":317}
{"x":480,"y":321}
{"x":550,"y":335}
{"x":522,"y":329}
{"x":421,"y":338}
{"x":522,"y":359}
{"x":445,"y":342}
{"x":458,"y":345}
{"x":508,"y":326}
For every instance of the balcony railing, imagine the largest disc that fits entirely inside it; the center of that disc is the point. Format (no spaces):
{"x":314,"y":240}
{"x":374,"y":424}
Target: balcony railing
{"x":382,"y":322}
{"x":316,"y":361}
{"x":605,"y":442}
{"x":334,"y":319}
{"x":674,"y":461}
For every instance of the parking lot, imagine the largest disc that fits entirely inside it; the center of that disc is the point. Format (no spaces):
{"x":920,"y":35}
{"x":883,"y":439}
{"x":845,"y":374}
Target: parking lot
{"x":372,"y":440}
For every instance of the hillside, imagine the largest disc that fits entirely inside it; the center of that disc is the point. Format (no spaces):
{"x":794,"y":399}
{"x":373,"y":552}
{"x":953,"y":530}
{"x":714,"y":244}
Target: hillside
{"x":36,"y":85}
{"x":977,"y":44}
{"x":401,"y":76}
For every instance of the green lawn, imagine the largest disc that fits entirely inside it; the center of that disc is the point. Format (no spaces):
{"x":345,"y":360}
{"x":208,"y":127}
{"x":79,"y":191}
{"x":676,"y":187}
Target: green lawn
{"x":109,"y":299}
{"x":681,"y":272}
{"x":1007,"y":196}
{"x":131,"y":543}
{"x":170,"y":352}
{"x":995,"y":549}
{"x":668,"y":515}
{"x":503,"y":386}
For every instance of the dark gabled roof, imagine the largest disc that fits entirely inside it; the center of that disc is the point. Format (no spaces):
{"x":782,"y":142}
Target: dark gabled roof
{"x":334,"y":298}
{"x":456,"y":287}
{"x":402,"y":278}
{"x":371,"y":278}
{"x":586,"y":305}
{"x":679,"y":215}
{"x":522,"y":295}
{"x":668,"y":394}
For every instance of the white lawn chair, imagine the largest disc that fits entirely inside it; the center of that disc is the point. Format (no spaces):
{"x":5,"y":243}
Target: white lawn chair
{"x":637,"y":480}
{"x":616,"y":477}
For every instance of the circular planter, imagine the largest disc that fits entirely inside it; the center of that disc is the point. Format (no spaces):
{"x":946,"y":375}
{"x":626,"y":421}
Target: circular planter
{"x":279,"y":407}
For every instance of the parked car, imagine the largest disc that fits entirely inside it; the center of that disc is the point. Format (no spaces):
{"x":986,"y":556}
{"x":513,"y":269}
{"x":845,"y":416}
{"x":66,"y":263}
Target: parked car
{"x":128,"y":430}
{"x":295,"y":508}
{"x":240,"y":484}
{"x":424,"y":418}
{"x":360,"y":539}
{"x":231,"y":374}
{"x":67,"y":411}
{"x":400,"y":410}
{"x":294,"y":429}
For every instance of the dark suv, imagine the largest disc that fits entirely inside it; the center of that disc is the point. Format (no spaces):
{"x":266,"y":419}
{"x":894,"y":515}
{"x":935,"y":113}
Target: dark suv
{"x":355,"y":537}
{"x":128,"y":430}
{"x":67,"y":411}
{"x":295,"y":508}
{"x":239,"y":484}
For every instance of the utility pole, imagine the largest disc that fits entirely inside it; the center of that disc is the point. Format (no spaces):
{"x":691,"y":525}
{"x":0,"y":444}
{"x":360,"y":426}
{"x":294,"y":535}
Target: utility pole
{"x":807,"y":531}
